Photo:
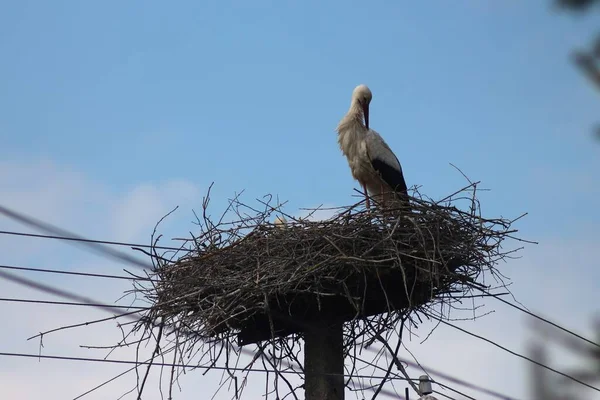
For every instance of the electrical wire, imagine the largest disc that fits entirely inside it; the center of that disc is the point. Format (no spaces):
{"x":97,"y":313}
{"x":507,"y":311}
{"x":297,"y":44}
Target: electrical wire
{"x":58,"y":233}
{"x":206,"y":367}
{"x":444,"y":376}
{"x":537,"y":316}
{"x":514,"y":353}
{"x":61,"y":234}
{"x":60,"y":292}
{"x":57,"y":292}
{"x":81,"y":239}
{"x":142,"y":308}
{"x":114,"y":308}
{"x":65,"y":303}
{"x":63,"y":293}
{"x":65,"y":272}
{"x":449,"y":378}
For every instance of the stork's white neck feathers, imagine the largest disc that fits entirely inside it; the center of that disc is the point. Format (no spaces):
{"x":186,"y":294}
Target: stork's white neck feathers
{"x":353,"y":120}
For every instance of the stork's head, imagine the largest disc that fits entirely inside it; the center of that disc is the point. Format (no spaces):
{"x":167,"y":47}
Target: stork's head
{"x":362,"y":95}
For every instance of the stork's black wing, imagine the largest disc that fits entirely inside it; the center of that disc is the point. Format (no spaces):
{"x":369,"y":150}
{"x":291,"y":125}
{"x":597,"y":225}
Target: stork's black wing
{"x":385,"y":162}
{"x":391,"y":174}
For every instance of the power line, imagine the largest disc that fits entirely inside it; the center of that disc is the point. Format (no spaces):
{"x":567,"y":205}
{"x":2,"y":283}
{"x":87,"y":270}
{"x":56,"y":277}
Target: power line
{"x":80,"y":239}
{"x":125,"y":257}
{"x":56,"y":292}
{"x":144,"y":308}
{"x":78,"y":298}
{"x":107,"y":382}
{"x":385,"y":392}
{"x":539,"y":317}
{"x":86,"y":323}
{"x":138,"y":363}
{"x":71,"y":296}
{"x":66,"y":303}
{"x":460,"y":382}
{"x":60,"y":292}
{"x":453,"y":379}
{"x":61,"y":234}
{"x":514,"y":353}
{"x":452,"y":398}
{"x":216,"y":367}
{"x":63,"y":293}
{"x":56,"y":231}
{"x":65,"y":272}
{"x":148,"y":279}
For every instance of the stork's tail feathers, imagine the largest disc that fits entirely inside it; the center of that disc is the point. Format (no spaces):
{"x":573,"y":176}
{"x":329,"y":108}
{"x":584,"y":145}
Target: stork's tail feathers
{"x":403,"y":197}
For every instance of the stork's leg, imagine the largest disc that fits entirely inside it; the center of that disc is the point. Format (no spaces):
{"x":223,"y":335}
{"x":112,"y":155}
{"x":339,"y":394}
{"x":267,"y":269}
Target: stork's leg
{"x":367,"y":201}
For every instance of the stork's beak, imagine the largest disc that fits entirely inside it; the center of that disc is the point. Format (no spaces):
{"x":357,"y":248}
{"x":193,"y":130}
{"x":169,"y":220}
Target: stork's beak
{"x":365,"y":107}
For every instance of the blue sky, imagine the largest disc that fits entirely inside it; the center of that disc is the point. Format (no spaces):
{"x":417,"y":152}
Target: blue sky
{"x":249,"y":95}
{"x":131,"y":96}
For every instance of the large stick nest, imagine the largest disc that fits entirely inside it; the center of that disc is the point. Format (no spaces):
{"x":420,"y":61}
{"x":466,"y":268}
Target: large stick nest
{"x":258,"y":280}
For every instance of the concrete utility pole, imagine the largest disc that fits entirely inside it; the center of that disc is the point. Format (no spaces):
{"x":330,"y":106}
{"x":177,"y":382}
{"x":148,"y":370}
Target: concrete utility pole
{"x":324,"y":361}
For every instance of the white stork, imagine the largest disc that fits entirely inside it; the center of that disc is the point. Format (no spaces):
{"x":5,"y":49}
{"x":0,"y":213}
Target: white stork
{"x":372,"y":162}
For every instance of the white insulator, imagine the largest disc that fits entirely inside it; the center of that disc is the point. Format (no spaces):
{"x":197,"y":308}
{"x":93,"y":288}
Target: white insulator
{"x":424,"y":385}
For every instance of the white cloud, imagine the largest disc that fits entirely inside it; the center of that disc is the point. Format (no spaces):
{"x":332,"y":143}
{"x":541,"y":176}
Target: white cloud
{"x":557,"y":278}
{"x":61,"y":195}
{"x":130,"y":221}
